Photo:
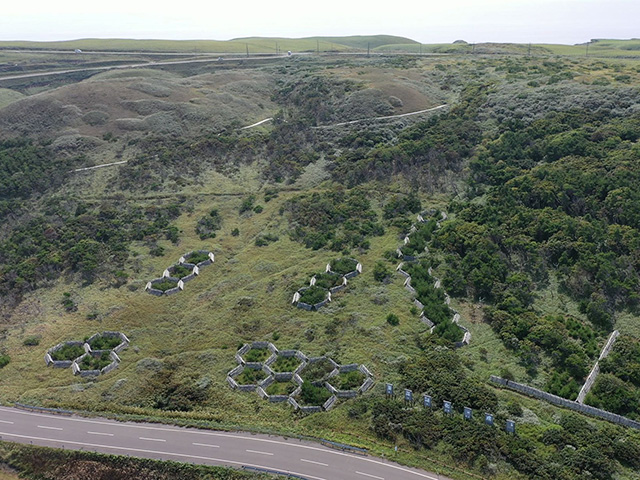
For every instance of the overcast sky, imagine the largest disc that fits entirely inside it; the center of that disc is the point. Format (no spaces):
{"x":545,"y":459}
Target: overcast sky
{"x":427,"y":21}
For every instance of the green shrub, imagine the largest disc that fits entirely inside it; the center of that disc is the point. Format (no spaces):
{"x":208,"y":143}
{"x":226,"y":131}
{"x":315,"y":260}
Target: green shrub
{"x":393,"y":320}
{"x":4,"y":360}
{"x":207,"y":225}
{"x":68,"y":352}
{"x":165,"y":285}
{"x":197,"y":257}
{"x":266,"y":239}
{"x":313,"y":295}
{"x":105,"y":343}
{"x":343,"y":265}
{"x":328,"y":280}
{"x":180,"y":271}
{"x":235,"y":232}
{"x":381,"y":272}
{"x":31,"y":341}
{"x":312,"y":395}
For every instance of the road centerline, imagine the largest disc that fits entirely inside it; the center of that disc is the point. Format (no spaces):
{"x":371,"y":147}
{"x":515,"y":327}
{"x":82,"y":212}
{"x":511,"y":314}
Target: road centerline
{"x":205,"y":445}
{"x":6,"y":421}
{"x":259,"y":452}
{"x":50,"y":428}
{"x":369,"y":475}
{"x":314,"y":462}
{"x":101,"y":433}
{"x":152,"y":439}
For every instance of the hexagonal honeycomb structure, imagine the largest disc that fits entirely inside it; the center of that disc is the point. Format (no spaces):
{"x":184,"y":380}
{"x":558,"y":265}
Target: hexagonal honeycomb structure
{"x":97,"y":355}
{"x":279,"y":376}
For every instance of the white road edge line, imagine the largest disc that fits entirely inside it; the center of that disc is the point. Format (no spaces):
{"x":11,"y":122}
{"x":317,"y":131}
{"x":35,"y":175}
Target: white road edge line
{"x":261,"y":453}
{"x":6,"y":421}
{"x":152,"y":439}
{"x":101,"y":433}
{"x":155,"y":452}
{"x":205,"y":445}
{"x":228,"y":435}
{"x":369,"y":475}
{"x":315,"y":463}
{"x":49,"y":428}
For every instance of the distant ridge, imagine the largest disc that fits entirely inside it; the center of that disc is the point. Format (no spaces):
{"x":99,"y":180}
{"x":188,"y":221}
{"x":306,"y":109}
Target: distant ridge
{"x":237,"y":45}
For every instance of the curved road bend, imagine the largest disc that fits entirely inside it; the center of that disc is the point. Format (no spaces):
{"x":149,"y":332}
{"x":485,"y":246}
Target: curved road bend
{"x":306,"y":459}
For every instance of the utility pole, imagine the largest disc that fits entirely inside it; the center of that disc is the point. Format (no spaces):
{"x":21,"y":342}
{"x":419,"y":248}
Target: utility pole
{"x":368,"y":49}
{"x":318,"y":47}
{"x":247,"y":45}
{"x":529,"y":51}
{"x":421,"y":49}
{"x":276,"y":48}
{"x":587,"y":54}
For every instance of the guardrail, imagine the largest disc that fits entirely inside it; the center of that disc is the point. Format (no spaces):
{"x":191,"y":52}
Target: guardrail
{"x":272,"y":472}
{"x":33,"y":408}
{"x":343,"y":446}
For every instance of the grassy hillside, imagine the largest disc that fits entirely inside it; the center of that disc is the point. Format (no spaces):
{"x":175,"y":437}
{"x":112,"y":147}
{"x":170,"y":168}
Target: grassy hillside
{"x":238,"y":45}
{"x":77,"y":249}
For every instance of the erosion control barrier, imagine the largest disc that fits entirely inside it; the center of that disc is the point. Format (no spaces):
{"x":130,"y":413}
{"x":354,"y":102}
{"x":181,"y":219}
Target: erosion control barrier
{"x":466,"y":337}
{"x":563,"y":402}
{"x":167,"y":274}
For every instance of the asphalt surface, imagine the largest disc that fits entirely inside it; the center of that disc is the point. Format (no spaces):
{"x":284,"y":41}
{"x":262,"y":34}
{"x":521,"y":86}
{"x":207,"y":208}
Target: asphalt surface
{"x":306,"y":459}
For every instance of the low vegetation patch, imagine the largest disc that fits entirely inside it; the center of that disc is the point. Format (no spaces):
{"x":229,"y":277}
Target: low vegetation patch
{"x":180,"y":271}
{"x":343,"y":266}
{"x":281,"y":388}
{"x":313,"y":395}
{"x":165,"y":285}
{"x":317,"y":371}
{"x":250,"y":376}
{"x":348,"y":381}
{"x":68,"y":352}
{"x":95,"y":362}
{"x":285,"y":364}
{"x":327,"y":280}
{"x":197,"y":257}
{"x":105,"y":342}
{"x":257,"y":355}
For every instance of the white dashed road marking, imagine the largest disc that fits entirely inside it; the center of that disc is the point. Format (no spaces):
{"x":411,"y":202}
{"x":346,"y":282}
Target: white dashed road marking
{"x":261,"y":453}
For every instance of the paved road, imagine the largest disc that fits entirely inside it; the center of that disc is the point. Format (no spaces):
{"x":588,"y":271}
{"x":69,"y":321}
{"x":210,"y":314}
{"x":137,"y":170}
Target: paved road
{"x":306,"y":459}
{"x":208,"y":59}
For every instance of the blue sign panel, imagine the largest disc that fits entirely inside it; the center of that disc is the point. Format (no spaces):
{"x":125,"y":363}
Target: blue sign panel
{"x":447,"y":407}
{"x":488,"y":419}
{"x":511,"y":426}
{"x":467,"y":413}
{"x":426,"y":401}
{"x":408,"y":395}
{"x":389,"y":388}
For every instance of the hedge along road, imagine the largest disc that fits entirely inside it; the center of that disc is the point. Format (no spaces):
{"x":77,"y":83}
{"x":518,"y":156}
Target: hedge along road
{"x":208,"y":447}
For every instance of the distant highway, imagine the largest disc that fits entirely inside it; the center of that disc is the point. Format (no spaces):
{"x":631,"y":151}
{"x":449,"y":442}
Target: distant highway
{"x":208,"y":447}
{"x":139,"y":65}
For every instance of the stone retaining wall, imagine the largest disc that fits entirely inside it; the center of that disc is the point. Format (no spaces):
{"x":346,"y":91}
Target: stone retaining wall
{"x":563,"y":402}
